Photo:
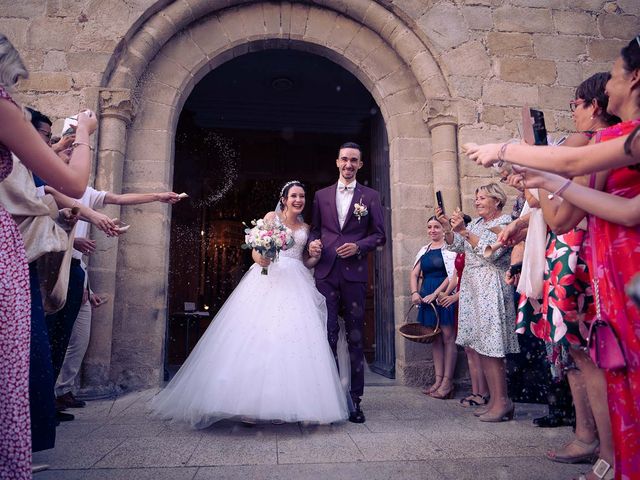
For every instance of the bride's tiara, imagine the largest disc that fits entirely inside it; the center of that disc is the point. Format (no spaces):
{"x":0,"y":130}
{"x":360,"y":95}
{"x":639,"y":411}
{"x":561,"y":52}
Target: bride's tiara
{"x":288,"y":184}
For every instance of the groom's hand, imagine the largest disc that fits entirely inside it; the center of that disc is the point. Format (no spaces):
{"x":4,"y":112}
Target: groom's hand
{"x":347,"y":250}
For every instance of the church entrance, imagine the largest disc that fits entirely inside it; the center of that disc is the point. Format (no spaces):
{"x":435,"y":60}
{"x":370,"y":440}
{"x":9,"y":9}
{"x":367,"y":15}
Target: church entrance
{"x":248,"y":127}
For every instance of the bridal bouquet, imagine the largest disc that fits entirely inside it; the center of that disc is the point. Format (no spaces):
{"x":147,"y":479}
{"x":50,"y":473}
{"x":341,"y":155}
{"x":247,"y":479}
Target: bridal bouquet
{"x":268,"y":238}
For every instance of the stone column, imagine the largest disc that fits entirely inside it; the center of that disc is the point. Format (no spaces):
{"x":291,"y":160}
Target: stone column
{"x":440,"y":115}
{"x":115,"y":115}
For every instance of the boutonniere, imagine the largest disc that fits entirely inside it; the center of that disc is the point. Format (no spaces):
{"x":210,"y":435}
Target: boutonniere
{"x":360,"y":210}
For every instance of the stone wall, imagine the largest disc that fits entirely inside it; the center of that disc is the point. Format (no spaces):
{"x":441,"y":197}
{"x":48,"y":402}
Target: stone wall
{"x":490,"y":55}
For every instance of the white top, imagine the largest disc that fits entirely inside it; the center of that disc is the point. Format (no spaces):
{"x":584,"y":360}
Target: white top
{"x":93,"y":199}
{"x":344,"y":195}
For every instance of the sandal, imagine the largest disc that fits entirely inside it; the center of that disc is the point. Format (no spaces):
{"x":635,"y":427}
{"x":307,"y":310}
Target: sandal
{"x":587,"y":455}
{"x":602,"y":470}
{"x":434,"y":387}
{"x":471,"y":401}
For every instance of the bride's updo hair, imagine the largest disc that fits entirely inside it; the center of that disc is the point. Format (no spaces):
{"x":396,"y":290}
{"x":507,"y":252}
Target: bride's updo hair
{"x":12,"y":68}
{"x":284,"y":193}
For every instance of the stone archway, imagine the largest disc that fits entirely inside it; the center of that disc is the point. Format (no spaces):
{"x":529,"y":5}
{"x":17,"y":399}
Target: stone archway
{"x":140,"y":104}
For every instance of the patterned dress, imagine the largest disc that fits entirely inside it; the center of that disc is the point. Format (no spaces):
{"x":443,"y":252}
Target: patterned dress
{"x":15,"y":309}
{"x":486,"y":311}
{"x":617,"y":252}
{"x":566,"y":300}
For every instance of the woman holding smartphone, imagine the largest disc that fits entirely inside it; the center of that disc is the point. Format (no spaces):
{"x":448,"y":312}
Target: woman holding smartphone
{"x":433,"y":270}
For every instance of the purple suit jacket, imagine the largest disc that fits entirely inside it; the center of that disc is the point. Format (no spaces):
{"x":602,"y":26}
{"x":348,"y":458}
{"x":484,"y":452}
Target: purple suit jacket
{"x":367,"y":233}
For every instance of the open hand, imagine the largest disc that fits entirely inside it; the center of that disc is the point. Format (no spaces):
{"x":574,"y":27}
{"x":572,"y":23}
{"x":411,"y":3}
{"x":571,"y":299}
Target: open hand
{"x":513,"y":233}
{"x":485,"y":155}
{"x":448,"y":300}
{"x":429,"y":298}
{"x":96,"y":301}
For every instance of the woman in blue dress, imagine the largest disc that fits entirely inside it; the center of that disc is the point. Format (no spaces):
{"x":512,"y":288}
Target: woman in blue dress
{"x":432,"y":271}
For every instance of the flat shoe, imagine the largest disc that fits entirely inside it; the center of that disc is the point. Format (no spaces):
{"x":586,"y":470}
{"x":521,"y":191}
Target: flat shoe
{"x":589,"y":452}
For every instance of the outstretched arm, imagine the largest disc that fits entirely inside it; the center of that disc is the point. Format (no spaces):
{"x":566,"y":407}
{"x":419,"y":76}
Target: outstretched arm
{"x":21,"y":138}
{"x":139,"y":198}
{"x":566,"y":161}
{"x":621,"y":210}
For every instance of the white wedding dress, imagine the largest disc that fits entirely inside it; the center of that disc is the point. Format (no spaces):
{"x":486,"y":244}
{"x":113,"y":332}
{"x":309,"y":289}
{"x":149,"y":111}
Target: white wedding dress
{"x":265,"y":355}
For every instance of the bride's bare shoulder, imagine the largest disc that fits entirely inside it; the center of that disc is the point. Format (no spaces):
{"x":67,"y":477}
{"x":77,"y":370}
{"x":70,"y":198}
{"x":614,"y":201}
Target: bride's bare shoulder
{"x":270,"y":216}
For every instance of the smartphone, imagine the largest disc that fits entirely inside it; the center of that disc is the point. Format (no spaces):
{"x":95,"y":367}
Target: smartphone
{"x":515,"y":269}
{"x":539,"y":128}
{"x":69,"y":125}
{"x":439,"y":200}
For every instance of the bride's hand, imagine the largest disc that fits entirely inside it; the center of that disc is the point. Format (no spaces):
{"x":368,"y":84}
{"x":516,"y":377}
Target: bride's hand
{"x":260,"y":259}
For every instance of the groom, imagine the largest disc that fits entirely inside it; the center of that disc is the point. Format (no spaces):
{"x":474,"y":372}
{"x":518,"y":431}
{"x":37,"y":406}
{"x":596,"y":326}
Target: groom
{"x":347,"y":224}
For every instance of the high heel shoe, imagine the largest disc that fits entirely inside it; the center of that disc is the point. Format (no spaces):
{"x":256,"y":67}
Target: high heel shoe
{"x":501,"y":417}
{"x":481,"y":411}
{"x":444,"y":395}
{"x":434,"y":387}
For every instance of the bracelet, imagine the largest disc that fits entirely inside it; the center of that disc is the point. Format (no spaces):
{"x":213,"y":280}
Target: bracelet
{"x":415,"y":292}
{"x":558,"y":192}
{"x":501,"y":153}
{"x":75,"y":144}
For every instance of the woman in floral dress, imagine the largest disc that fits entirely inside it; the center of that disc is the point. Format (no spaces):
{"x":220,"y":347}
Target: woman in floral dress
{"x":486,"y":310}
{"x":18,"y":135}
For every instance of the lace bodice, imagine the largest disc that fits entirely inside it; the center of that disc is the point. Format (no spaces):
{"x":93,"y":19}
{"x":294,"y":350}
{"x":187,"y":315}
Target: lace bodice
{"x":300,"y":235}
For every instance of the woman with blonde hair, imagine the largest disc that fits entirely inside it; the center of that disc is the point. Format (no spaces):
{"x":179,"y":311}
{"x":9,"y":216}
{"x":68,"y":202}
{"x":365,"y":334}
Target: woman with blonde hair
{"x":17,"y":135}
{"x":486,"y":312}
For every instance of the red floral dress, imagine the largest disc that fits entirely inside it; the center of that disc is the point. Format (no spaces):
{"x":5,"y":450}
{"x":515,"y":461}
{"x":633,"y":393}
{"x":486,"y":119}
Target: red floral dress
{"x":617,"y":252}
{"x":15,"y":311}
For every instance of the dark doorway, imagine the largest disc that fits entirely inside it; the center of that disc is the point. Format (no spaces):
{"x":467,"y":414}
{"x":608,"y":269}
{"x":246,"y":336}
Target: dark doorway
{"x":248,"y":127}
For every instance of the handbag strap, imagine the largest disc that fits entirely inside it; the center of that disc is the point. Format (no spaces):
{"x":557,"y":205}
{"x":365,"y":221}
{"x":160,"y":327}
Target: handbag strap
{"x":594,"y":258}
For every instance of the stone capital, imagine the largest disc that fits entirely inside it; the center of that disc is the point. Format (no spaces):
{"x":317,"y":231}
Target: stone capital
{"x":117,"y":103}
{"x":440,"y":111}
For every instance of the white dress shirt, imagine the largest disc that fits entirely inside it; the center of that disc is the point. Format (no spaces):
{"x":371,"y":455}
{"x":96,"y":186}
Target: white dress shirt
{"x":344,"y":195}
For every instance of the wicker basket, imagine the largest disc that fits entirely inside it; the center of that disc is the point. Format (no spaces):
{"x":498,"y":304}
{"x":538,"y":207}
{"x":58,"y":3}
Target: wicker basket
{"x":416,"y":332}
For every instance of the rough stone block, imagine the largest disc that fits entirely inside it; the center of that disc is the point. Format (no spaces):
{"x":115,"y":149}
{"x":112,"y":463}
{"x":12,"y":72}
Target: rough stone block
{"x":342,"y":34}
{"x":445,"y":26}
{"x":185,"y":52}
{"x":624,"y":27}
{"x":527,"y":70}
{"x":151,"y":145}
{"x":406,"y":101}
{"x":299,"y":16}
{"x":493,"y":115}
{"x":556,"y":97}
{"x":510,"y":43}
{"x":209,"y":35}
{"x":574,"y":23}
{"x":55,"y":61}
{"x":469,"y":60}
{"x":591,"y":68}
{"x":272,"y":18}
{"x":47,"y":82}
{"x":478,"y":17}
{"x":559,"y":47}
{"x":87,"y":61}
{"x":22,"y":9}
{"x":320,"y":23}
{"x":381,"y":62}
{"x":154,"y":116}
{"x":587,"y":5}
{"x":569,"y":73}
{"x":414,"y":8}
{"x":86,"y":79}
{"x":16,"y":31}
{"x":396,"y":82}
{"x":165,"y":70}
{"x":425,"y":67}
{"x":466,"y":87}
{"x":631,"y":7}
{"x":362,"y":45}
{"x":48,"y":34}
{"x":518,"y":19}
{"x":504,"y":93}
{"x":233,"y":24}
{"x":535,"y":3}
{"x":412,"y":171}
{"x":605,"y":50}
{"x":412,"y":147}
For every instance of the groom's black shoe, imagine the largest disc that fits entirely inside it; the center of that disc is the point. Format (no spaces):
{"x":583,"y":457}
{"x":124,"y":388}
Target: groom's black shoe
{"x":357,"y":416}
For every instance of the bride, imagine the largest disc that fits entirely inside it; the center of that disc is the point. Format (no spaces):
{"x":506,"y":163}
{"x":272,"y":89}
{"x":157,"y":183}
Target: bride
{"x":265,"y":355}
